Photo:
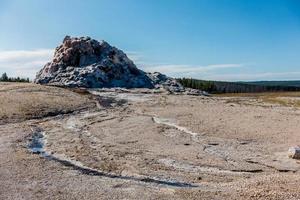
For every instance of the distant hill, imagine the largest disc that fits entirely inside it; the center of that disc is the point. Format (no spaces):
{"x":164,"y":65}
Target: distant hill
{"x":240,"y":87}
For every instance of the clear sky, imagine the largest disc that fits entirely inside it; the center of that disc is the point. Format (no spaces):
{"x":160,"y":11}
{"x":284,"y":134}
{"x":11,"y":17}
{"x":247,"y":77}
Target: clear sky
{"x":207,"y":39}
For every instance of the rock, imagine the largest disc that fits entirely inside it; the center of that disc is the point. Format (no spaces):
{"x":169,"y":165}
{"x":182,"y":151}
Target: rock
{"x":84,"y":62}
{"x":294,"y":152}
{"x":88,"y":63}
{"x":190,"y":91}
{"x":162,"y":81}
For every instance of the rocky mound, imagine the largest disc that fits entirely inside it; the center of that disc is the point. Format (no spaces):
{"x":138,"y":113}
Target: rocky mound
{"x":85,"y":62}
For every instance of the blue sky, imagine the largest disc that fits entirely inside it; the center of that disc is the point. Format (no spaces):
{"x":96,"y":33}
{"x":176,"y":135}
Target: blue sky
{"x":207,"y":39}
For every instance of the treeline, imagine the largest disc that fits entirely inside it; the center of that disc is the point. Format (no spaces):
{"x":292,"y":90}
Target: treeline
{"x":232,"y":87}
{"x":5,"y":78}
{"x":293,"y":83}
{"x":208,"y":86}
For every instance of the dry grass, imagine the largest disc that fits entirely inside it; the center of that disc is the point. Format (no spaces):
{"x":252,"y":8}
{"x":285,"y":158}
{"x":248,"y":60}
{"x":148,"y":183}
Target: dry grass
{"x":271,"y":94}
{"x":291,"y":99}
{"x":22,"y":101}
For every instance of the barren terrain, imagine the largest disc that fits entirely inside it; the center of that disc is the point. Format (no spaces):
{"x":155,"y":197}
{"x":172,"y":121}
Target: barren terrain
{"x":140,"y":144}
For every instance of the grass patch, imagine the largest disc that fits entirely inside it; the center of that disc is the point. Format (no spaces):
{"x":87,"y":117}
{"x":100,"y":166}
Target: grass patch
{"x":23,"y":101}
{"x":290,"y":99}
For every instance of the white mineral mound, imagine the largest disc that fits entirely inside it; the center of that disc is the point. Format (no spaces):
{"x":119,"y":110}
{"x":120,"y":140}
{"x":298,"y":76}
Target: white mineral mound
{"x":85,"y":62}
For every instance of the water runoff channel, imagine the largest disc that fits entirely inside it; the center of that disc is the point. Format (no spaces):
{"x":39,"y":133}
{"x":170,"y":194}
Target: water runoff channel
{"x":37,"y":144}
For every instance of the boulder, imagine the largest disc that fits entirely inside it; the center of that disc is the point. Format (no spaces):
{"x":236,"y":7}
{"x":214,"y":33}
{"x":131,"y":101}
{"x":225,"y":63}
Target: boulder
{"x":294,"y":152}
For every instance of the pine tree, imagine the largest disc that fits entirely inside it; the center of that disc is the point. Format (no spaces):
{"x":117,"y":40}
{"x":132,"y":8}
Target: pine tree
{"x":4,"y":77}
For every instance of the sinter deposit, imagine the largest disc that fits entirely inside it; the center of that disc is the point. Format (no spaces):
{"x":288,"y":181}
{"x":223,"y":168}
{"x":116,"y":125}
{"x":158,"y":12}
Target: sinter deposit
{"x":85,"y":62}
